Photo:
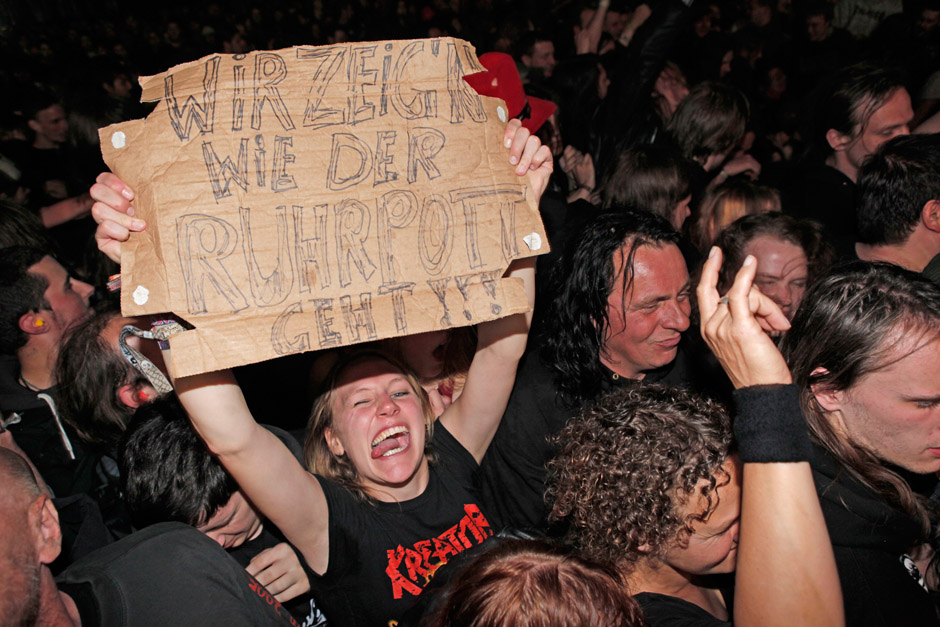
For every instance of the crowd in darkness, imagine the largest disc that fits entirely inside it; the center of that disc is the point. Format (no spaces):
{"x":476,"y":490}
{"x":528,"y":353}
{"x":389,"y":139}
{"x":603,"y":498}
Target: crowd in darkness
{"x":723,"y":406}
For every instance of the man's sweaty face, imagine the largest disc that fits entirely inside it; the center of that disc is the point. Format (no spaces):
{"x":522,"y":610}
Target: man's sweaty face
{"x":646,"y":322}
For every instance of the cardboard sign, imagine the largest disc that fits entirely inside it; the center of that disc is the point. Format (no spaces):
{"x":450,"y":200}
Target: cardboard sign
{"x":314,"y":197}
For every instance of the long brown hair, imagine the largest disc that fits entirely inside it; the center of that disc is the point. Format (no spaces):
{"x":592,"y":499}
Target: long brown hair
{"x":847,"y":327}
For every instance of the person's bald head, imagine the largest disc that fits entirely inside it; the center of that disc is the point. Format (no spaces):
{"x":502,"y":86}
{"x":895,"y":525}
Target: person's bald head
{"x":30,"y":539}
{"x":16,"y":477}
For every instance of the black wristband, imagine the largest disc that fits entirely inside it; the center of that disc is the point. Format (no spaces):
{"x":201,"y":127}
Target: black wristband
{"x":769,"y":425}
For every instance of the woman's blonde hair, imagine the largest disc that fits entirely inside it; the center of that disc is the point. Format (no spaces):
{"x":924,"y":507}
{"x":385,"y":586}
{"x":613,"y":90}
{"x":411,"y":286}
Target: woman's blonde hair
{"x":318,"y":457}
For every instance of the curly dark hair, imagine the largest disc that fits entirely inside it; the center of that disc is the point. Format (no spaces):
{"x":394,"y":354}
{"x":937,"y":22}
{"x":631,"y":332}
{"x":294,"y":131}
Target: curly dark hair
{"x":583,"y":279}
{"x":626,"y":465}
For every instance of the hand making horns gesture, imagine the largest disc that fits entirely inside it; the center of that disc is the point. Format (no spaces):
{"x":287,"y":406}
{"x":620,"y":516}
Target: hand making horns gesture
{"x":736,"y":326}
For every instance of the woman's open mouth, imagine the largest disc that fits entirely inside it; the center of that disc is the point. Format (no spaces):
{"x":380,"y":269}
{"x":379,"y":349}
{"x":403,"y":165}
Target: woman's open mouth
{"x":391,"y":441}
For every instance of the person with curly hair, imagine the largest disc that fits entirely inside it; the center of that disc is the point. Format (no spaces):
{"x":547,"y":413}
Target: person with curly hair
{"x":369,"y":445}
{"x":659,"y":461}
{"x":651,"y":480}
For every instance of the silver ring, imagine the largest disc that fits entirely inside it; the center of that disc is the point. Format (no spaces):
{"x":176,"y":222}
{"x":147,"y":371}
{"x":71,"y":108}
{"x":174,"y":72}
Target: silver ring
{"x":723,"y":300}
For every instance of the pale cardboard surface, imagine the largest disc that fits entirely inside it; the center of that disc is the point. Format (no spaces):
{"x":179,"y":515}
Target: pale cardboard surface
{"x":313,"y":197}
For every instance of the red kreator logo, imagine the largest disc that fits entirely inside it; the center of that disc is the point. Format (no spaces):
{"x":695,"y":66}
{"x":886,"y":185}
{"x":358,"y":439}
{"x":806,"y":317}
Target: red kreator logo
{"x":411,"y":569}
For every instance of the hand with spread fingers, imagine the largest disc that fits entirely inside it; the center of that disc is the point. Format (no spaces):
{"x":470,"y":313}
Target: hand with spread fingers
{"x":736,"y":327}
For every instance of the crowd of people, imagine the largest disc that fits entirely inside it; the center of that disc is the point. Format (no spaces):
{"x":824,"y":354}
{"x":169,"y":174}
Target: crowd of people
{"x":723,"y":406}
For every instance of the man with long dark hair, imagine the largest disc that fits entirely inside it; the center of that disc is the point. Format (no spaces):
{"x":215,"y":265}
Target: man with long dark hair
{"x":863,"y":350}
{"x":862,"y":108}
{"x":620,"y":307}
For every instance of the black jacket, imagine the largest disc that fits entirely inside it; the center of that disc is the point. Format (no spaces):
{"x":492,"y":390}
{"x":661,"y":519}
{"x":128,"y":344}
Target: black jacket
{"x":870,"y":540}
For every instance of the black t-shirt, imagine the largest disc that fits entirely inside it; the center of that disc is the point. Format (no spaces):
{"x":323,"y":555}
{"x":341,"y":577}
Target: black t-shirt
{"x":168,"y":574}
{"x":383,"y":555}
{"x":512,"y":475}
{"x":666,"y":611}
{"x":303,"y":606}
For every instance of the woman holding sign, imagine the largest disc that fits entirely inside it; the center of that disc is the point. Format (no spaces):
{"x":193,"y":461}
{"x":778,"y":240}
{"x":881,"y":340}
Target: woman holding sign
{"x":383,"y":512}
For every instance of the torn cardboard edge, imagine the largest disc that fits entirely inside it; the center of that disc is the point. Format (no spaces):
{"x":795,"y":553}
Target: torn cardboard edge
{"x":317,"y":329}
{"x":151,"y":268}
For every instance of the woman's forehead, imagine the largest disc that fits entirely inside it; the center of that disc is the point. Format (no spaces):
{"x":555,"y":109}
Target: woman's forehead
{"x":365,"y":369}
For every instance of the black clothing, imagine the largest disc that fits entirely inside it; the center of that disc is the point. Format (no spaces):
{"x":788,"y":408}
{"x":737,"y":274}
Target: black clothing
{"x":83,"y":530}
{"x":45,"y":439}
{"x":383,"y":555}
{"x":41,"y":166}
{"x":626,"y":116}
{"x":824,"y":194}
{"x":303,"y":606}
{"x":67,"y":465}
{"x":52,"y":175}
{"x":168,"y":574}
{"x":870,"y":539}
{"x":932,"y":271}
{"x":662,"y":610}
{"x":814,"y":60}
{"x":769,"y":426}
{"x":512,"y":475}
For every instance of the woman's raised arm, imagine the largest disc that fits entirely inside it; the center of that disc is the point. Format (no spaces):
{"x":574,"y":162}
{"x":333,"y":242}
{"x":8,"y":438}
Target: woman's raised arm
{"x":265,"y":470}
{"x":475,"y":415}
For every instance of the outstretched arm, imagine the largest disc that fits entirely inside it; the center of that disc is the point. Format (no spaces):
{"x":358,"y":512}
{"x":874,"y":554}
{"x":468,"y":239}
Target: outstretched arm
{"x":786,"y":572}
{"x":474,"y":417}
{"x":265,"y":470}
{"x":586,"y":39}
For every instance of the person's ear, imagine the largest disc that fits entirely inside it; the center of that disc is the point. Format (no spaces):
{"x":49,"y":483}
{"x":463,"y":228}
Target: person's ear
{"x":930,"y":215}
{"x":33,"y":323}
{"x":829,"y":399}
{"x":44,"y":520}
{"x":34,"y":126}
{"x":837,"y":141}
{"x":136,"y":394}
{"x":333,"y":442}
{"x":832,"y":401}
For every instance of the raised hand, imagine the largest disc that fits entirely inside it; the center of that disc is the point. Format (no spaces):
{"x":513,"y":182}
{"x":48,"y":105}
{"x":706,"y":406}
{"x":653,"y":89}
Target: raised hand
{"x":736,"y":327}
{"x":114,"y":214}
{"x":527,"y":153}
